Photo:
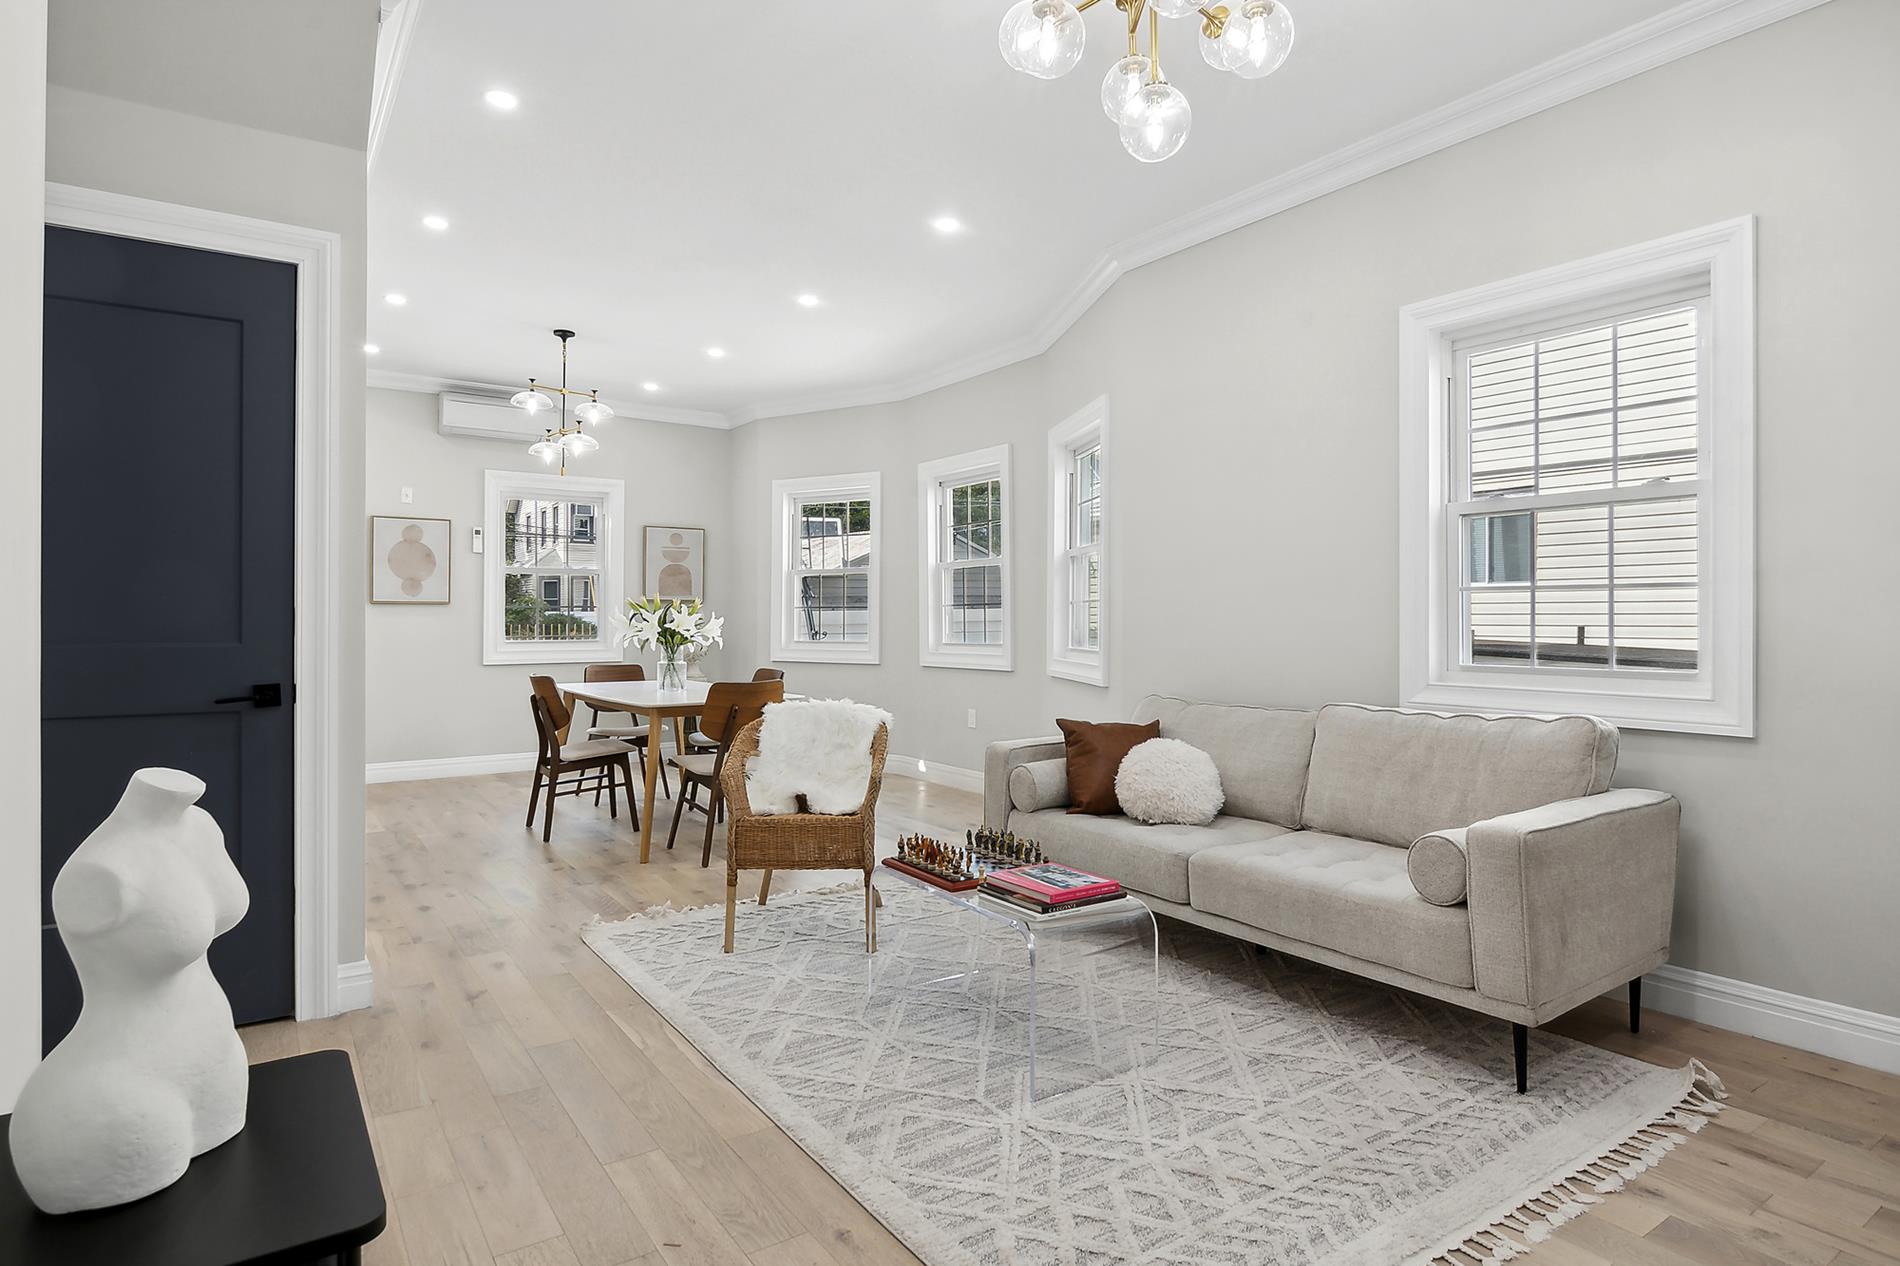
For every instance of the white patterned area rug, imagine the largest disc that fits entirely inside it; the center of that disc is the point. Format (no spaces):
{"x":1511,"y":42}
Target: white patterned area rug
{"x":1291,"y":1114}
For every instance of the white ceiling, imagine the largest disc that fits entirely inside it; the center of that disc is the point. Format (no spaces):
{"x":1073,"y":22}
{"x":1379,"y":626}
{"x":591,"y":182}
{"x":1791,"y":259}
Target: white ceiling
{"x":678,"y":172}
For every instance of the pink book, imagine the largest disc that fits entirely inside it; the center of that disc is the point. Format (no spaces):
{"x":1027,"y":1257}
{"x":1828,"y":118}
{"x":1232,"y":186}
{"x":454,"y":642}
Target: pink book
{"x":1055,"y":884}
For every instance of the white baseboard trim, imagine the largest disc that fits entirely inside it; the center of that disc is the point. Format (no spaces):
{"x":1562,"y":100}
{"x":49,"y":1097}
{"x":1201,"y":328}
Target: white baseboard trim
{"x":1810,"y":1024}
{"x":355,"y":986}
{"x":934,"y":772}
{"x":448,"y":767}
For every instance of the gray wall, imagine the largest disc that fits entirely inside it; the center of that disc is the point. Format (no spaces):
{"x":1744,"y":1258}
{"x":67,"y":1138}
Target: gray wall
{"x":124,"y":147}
{"x":429,"y":695}
{"x":22,"y":212}
{"x":1254,"y":473}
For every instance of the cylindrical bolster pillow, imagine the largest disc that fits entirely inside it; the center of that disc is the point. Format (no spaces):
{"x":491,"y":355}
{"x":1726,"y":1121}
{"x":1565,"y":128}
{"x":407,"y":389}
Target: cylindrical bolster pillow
{"x":1039,"y":784}
{"x":1436,"y":863}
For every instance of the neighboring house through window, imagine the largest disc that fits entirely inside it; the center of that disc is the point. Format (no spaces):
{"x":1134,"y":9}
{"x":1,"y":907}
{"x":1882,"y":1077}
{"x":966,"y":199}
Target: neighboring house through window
{"x":824,"y":593}
{"x":1578,"y":487}
{"x":1078,"y":618}
{"x":552,"y":567}
{"x":963,"y":546}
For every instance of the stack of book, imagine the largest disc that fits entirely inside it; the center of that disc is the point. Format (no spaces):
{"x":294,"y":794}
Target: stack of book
{"x":1046,"y":887}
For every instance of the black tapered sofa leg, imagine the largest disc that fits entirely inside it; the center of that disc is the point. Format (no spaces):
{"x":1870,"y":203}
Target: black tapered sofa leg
{"x":1636,"y":1005}
{"x":1520,"y":1047}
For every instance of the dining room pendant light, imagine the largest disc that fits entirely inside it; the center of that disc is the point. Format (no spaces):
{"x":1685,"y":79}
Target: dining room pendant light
{"x":563,"y":441}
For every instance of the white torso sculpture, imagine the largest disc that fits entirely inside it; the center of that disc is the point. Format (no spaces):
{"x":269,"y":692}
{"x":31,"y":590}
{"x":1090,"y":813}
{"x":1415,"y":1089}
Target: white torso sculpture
{"x":154,"y":1072}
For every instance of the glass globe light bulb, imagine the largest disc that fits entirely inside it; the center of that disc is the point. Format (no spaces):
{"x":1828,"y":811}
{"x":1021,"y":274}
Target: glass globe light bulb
{"x":1174,"y":8}
{"x":1265,"y":39}
{"x":1123,"y":86}
{"x":1158,"y":123}
{"x":531,"y":400}
{"x":593,"y":412}
{"x":1044,"y":38}
{"x":546,"y":450}
{"x":580,"y":443}
{"x":1224,"y":51}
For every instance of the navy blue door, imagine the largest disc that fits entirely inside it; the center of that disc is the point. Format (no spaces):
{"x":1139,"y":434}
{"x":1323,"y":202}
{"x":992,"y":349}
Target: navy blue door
{"x":169,"y":569}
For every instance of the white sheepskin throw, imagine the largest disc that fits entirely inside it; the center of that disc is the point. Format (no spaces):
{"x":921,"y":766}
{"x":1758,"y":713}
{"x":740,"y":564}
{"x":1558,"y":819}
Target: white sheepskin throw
{"x":1166,"y":780}
{"x":817,"y":748}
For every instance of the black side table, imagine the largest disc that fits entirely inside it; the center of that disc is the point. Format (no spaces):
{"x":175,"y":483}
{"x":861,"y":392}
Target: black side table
{"x":298,"y":1184}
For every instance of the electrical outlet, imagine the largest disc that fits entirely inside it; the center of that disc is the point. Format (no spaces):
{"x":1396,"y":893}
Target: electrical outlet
{"x":972,"y":720}
{"x":475,"y":540}
{"x":408,"y":496}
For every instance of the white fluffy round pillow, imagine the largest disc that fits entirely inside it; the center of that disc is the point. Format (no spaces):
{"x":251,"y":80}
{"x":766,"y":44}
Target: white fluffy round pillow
{"x":1166,"y":780}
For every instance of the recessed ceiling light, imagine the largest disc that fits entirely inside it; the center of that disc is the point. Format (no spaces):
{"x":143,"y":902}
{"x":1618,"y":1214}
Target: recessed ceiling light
{"x":717,"y":353}
{"x":501,"y":98}
{"x":649,"y":386}
{"x":808,"y":300}
{"x":437,"y":223}
{"x":947,"y":224}
{"x":370,"y":349}
{"x":395,"y":300}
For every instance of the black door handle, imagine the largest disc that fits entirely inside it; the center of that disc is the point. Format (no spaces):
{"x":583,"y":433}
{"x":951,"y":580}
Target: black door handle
{"x":265,"y":694}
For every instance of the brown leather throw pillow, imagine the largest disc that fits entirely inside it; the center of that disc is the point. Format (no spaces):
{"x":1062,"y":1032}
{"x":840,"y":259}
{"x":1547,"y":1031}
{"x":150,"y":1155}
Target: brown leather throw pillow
{"x":1094,"y":753}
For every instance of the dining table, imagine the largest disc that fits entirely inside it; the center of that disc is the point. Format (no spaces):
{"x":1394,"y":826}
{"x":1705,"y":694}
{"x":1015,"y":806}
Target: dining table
{"x":643,"y":699}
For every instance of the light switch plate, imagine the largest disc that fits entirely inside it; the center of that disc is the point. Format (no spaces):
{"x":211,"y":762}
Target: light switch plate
{"x":408,"y":496}
{"x":475,"y":539}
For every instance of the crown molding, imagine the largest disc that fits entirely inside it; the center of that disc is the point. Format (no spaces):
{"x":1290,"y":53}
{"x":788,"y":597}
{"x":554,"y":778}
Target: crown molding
{"x":428,"y":384}
{"x":382,"y":100}
{"x":1656,"y":41}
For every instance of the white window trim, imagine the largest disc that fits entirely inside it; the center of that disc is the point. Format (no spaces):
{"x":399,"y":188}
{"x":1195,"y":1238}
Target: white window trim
{"x":610,"y":495}
{"x":934,"y":480}
{"x":1720,"y":699}
{"x":866,"y":486}
{"x":1085,"y":426}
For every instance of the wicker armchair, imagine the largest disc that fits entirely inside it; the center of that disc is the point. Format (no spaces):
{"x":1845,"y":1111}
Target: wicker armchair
{"x":798,"y":841}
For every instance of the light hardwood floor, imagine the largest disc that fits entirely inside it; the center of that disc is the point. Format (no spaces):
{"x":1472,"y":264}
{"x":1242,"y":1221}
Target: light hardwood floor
{"x":529,"y":1109}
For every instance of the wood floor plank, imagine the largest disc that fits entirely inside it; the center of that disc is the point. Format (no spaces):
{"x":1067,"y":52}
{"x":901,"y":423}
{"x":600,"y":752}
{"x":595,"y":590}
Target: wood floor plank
{"x":554,"y":1252}
{"x":846,"y":1231}
{"x":439,"y":1228}
{"x":508,"y":1200}
{"x":599,"y":1226}
{"x":688,"y":1233}
{"x":412,"y":1151}
{"x":604,"y":1119}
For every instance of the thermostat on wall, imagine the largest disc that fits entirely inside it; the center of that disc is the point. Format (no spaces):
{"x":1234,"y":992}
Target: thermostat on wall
{"x":475,"y":539}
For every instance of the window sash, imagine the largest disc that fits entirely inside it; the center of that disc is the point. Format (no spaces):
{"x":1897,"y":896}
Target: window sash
{"x":813,"y":573}
{"x":1464,"y":510}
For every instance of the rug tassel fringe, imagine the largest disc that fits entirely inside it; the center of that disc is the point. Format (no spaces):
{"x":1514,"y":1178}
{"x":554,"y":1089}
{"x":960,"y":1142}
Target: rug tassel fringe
{"x":1536,"y":1219}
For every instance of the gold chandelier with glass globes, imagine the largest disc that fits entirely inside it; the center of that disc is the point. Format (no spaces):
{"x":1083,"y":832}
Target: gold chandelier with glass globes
{"x":1045,"y":38}
{"x":563,"y":441}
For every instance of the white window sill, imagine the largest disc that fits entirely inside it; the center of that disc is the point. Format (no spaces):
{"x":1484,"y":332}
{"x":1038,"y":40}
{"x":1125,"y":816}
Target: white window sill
{"x":812,"y":655}
{"x":1090,"y":672}
{"x":553,"y":653}
{"x":1625,"y":710}
{"x":994,"y":659}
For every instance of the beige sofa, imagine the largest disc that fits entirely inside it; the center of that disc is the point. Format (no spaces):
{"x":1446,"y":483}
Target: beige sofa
{"x":1547,"y":888}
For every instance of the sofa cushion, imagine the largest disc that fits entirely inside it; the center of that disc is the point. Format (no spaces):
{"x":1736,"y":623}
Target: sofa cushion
{"x":1437,"y":866}
{"x":1095,"y":750}
{"x":1261,"y":753}
{"x":1148,"y":859}
{"x":1391,"y":776}
{"x":1348,"y":895}
{"x":1039,"y":784}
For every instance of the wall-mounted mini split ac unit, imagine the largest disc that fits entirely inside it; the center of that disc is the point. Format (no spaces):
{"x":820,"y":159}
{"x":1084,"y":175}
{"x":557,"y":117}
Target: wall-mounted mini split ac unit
{"x":486,"y":418}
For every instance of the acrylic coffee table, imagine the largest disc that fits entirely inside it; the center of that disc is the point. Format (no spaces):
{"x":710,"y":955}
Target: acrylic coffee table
{"x":1104,"y":928}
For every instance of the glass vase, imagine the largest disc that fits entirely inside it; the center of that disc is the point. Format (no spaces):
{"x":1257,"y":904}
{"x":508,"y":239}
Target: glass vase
{"x":673,"y":671}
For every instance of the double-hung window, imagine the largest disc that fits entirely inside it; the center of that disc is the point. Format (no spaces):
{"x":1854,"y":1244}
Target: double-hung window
{"x":964,"y":556}
{"x":1578,"y":490}
{"x":825,"y":588}
{"x":552,"y":566}
{"x":1078,"y":617}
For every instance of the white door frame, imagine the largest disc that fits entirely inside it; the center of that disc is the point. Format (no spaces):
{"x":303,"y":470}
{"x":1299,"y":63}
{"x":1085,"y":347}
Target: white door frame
{"x":317,"y":255}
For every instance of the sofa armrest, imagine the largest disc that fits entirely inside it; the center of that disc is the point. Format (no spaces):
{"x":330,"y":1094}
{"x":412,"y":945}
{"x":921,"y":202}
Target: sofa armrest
{"x":1001,"y":758}
{"x":1567,"y":894}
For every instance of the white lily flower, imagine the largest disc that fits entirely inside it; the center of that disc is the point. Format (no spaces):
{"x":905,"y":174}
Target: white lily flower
{"x":714,"y":631}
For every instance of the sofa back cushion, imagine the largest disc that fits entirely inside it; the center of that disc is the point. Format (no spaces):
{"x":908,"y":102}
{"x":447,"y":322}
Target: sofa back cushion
{"x":1261,"y":753}
{"x":1391,"y":776}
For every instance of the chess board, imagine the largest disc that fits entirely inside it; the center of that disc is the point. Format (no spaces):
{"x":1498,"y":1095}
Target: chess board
{"x":961,"y":867}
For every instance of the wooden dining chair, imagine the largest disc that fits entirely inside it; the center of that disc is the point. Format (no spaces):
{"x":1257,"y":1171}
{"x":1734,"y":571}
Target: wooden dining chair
{"x":699,"y":741}
{"x":730,"y":707}
{"x":633,"y":732}
{"x":572,"y":769}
